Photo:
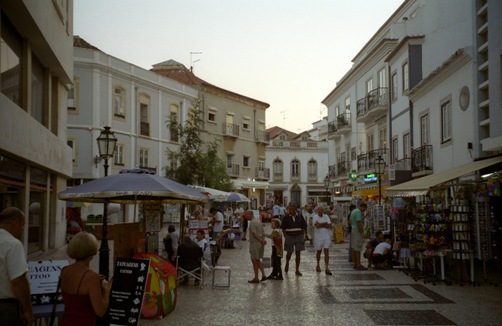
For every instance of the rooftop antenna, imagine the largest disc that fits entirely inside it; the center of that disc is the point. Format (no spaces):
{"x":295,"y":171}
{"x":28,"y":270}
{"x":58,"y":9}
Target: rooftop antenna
{"x":191,"y":60}
{"x":284,"y":118}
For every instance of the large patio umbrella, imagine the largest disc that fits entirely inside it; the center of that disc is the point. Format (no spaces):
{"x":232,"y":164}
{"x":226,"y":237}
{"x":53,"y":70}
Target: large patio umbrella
{"x":134,"y":186}
{"x":213,"y":194}
{"x":237,"y":197}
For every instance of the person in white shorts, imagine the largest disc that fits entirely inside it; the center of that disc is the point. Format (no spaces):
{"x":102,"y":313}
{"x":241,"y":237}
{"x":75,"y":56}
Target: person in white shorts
{"x":322,"y":237}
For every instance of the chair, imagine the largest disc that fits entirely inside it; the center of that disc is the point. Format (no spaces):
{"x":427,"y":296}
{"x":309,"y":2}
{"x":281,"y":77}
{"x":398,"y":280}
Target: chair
{"x":190,"y":262}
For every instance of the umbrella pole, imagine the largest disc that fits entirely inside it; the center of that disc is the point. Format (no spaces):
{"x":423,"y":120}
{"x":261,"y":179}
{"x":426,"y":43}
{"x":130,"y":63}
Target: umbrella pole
{"x":104,"y":250}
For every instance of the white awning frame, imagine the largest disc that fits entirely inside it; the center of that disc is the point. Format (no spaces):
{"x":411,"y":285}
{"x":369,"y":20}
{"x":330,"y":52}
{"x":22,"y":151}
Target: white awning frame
{"x":422,"y":185}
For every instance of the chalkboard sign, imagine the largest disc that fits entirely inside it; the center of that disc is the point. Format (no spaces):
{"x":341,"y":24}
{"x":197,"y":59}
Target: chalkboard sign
{"x":128,"y":286}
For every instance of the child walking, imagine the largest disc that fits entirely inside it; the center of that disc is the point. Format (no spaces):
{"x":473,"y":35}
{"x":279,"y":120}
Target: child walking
{"x":277,"y":249}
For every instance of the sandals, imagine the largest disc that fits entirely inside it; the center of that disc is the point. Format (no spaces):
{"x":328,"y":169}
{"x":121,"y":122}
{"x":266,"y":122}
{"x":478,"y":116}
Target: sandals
{"x":361,"y":268}
{"x":328,"y":272}
{"x":254,"y":281}
{"x":318,"y":269}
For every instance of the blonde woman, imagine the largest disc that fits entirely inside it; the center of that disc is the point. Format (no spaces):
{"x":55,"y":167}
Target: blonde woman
{"x":85,"y":293}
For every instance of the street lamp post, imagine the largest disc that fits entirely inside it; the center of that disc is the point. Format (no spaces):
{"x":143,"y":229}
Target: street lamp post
{"x":106,"y":146}
{"x":379,"y":169}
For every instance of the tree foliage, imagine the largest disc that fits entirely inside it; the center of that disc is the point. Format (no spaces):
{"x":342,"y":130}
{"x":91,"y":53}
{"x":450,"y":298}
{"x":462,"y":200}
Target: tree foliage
{"x":196,"y":162}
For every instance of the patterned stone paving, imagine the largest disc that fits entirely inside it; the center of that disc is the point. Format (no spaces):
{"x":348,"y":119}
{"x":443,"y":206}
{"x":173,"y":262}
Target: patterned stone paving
{"x":348,"y":297}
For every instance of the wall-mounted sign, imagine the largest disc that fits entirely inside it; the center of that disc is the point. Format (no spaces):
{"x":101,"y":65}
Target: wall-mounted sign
{"x":370,"y":178}
{"x":353,"y":175}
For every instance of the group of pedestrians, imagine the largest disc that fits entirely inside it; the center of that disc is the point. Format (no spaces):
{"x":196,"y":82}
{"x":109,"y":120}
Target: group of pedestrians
{"x":292,"y":226}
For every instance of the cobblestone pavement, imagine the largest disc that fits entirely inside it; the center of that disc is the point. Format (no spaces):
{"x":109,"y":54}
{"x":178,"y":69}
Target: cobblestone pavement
{"x":348,"y":297}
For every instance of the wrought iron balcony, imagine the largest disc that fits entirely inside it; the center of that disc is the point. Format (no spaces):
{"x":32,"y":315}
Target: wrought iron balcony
{"x":262,"y":173}
{"x":230,"y":129}
{"x":366,"y":162}
{"x":343,"y":122}
{"x":331,"y":128}
{"x":261,"y":136}
{"x":374,"y":105}
{"x":233,"y":170}
{"x":421,"y":160}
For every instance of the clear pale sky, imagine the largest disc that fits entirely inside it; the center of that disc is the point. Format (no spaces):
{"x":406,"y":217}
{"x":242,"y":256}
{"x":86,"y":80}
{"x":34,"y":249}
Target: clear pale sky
{"x":287,"y":53}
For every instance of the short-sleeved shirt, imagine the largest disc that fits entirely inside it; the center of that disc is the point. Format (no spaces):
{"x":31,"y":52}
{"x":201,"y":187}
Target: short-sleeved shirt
{"x":380,"y":248}
{"x":218,"y":227}
{"x":276,"y":210}
{"x":355,"y":216}
{"x":321,"y":233}
{"x":256,"y":248}
{"x":12,"y":262}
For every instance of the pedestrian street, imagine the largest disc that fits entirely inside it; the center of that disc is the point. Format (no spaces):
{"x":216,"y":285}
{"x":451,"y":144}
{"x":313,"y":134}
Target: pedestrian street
{"x":349,"y":297}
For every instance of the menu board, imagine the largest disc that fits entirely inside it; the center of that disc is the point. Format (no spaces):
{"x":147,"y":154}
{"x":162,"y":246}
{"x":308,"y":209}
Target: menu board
{"x":126,"y":296}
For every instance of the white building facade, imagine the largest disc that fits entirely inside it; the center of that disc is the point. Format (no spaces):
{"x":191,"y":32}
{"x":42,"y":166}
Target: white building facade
{"x":134,"y":102}
{"x":299,"y":166}
{"x":408,"y":99}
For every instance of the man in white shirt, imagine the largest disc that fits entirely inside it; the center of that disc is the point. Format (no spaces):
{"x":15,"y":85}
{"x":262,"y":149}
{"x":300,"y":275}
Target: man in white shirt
{"x":381,"y":255}
{"x":15,"y":300}
{"x":216,"y":222}
{"x":322,"y":237}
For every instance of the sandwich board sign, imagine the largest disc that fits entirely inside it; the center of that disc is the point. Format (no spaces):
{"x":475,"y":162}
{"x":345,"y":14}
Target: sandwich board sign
{"x":126,"y":295}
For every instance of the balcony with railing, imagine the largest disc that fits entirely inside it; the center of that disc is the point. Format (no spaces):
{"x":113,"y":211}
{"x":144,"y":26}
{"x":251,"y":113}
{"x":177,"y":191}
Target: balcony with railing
{"x":331,"y":129}
{"x":233,"y":170}
{"x":374,"y":105}
{"x":230,"y":129}
{"x":342,"y":169}
{"x":309,"y":144}
{"x":366,"y":162}
{"x":421,"y":161}
{"x":263,"y":173}
{"x":343,"y":123}
{"x":403,"y":164}
{"x":261,"y":136}
{"x":278,"y":176}
{"x":332,"y":172}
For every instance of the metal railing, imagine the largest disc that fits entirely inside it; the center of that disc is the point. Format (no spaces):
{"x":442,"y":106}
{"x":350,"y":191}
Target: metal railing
{"x":263,"y":173}
{"x":230,"y":129}
{"x":233,"y":170}
{"x":421,"y":159}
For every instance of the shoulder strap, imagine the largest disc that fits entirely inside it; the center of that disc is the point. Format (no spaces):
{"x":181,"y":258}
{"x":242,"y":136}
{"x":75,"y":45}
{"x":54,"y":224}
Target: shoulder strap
{"x":81,"y":279}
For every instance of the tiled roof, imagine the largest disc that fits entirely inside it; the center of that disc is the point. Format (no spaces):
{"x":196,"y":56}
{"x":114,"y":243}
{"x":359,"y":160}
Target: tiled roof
{"x":79,"y":42}
{"x":177,"y":71}
{"x":275,"y":131}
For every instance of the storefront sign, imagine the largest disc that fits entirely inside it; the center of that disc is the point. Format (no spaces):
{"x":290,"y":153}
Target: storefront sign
{"x":128,"y":286}
{"x":353,"y":175}
{"x":43,"y":277}
{"x":370,"y":178}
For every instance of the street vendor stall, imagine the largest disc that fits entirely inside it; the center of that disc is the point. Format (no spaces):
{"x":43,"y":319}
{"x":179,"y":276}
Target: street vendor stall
{"x":444,"y":221}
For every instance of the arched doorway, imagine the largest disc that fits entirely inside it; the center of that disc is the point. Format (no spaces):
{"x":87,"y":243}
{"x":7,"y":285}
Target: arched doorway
{"x":296,"y":195}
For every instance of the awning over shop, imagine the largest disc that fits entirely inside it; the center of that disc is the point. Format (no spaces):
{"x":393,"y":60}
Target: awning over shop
{"x":421,"y":186}
{"x":371,"y":192}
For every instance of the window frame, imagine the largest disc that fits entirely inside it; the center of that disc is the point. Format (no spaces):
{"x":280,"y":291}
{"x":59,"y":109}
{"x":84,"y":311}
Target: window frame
{"x":405,"y":70}
{"x":118,"y":156}
{"x":395,"y":84}
{"x":446,"y":121}
{"x":119,"y":111}
{"x":142,"y":157}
